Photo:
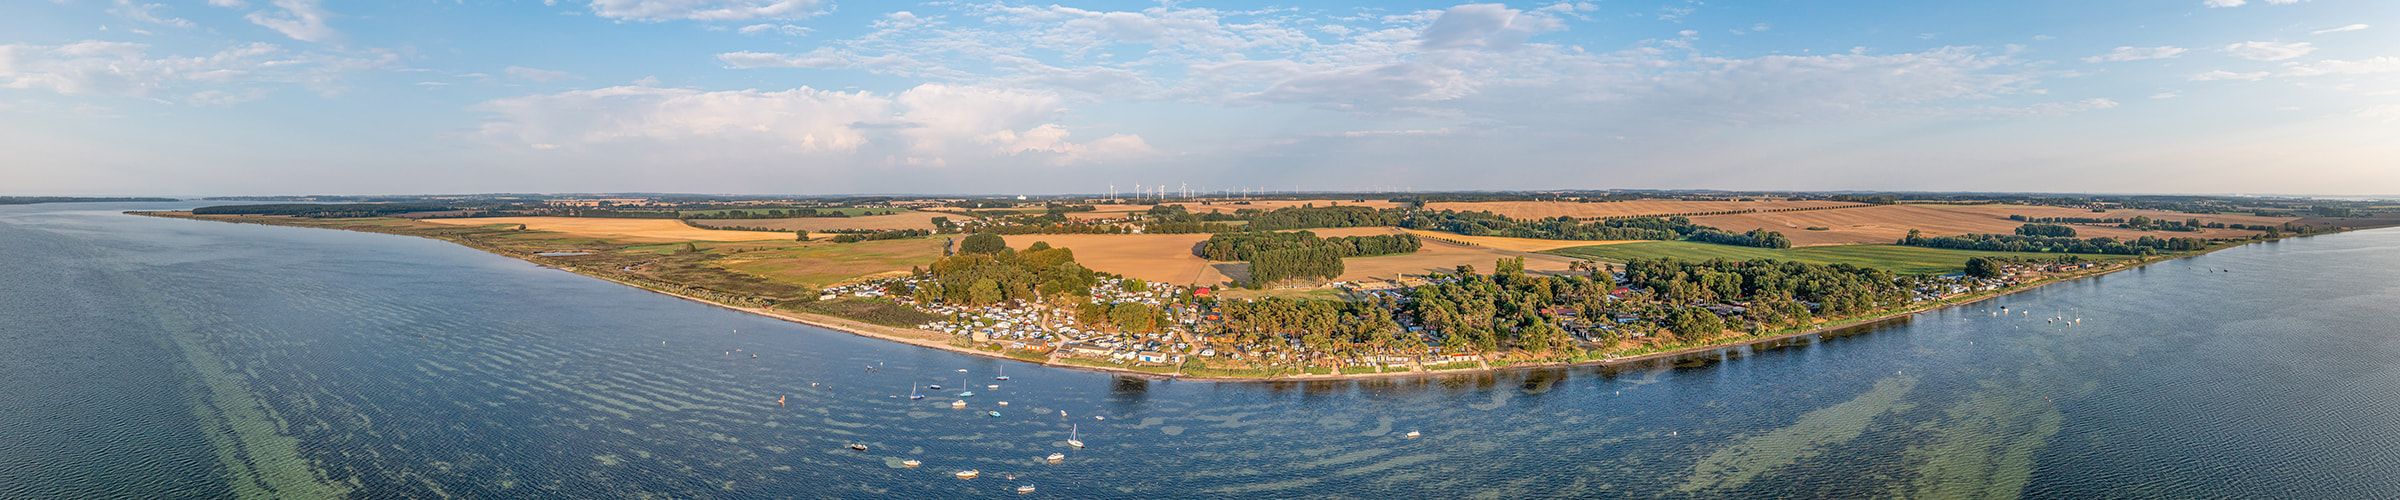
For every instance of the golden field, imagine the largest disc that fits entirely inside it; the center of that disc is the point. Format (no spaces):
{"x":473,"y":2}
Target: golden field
{"x":1552,"y":209}
{"x":626,"y":230}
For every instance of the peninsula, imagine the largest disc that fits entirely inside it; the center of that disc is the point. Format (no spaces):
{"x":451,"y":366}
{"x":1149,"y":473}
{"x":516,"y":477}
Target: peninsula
{"x":1333,"y":285}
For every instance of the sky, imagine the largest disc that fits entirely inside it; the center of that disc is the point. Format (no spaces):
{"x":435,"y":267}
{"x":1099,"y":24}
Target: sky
{"x":266,"y":97}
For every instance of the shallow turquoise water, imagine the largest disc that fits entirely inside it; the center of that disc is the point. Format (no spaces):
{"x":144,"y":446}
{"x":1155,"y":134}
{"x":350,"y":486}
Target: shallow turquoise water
{"x":157,"y":358}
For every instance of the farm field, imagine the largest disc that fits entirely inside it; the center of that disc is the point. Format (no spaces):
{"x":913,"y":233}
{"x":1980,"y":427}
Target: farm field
{"x":1894,"y":258}
{"x":1888,"y":223}
{"x":1103,"y":210}
{"x":1516,"y":244}
{"x":904,"y":220}
{"x":2003,"y":211}
{"x":1169,"y":257}
{"x":850,"y":211}
{"x":623,"y":230}
{"x":1552,"y":209}
{"x":823,"y":264}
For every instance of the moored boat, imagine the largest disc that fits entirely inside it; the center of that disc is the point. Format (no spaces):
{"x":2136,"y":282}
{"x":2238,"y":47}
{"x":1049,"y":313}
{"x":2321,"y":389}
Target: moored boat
{"x":911,"y":463}
{"x":859,"y":447}
{"x":1025,"y":489}
{"x":958,"y":404}
{"x":967,"y":474}
{"x":1057,"y":457}
{"x":1414,"y":434}
{"x":1071,"y":437}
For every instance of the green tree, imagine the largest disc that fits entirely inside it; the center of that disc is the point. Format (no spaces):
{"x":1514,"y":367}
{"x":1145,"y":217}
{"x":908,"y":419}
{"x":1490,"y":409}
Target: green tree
{"x":982,"y":243}
{"x":1983,"y":268}
{"x":1131,"y":317}
{"x":984,"y":292}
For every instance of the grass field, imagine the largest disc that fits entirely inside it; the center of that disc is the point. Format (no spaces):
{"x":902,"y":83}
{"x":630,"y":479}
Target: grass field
{"x":1895,"y":258}
{"x":1888,"y":223}
{"x":821,"y":264}
{"x":626,"y":230}
{"x":903,"y":220}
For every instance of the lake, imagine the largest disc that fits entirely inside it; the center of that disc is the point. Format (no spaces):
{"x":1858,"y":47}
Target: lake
{"x":164,"y":358}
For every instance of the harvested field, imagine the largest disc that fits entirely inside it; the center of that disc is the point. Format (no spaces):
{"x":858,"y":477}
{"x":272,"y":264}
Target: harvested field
{"x":1551,"y":209}
{"x":1214,"y":206}
{"x":1164,"y":258}
{"x":905,"y":220}
{"x":2003,"y":211}
{"x":1169,"y":257}
{"x":1894,"y":258}
{"x":820,"y":264}
{"x":622,"y":230}
{"x":1887,"y":224}
{"x":1516,"y":244}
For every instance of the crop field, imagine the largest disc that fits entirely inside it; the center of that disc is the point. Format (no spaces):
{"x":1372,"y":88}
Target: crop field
{"x":822,"y":264}
{"x":903,"y":220}
{"x":1551,"y":209}
{"x":1229,"y":206}
{"x":1888,"y":223}
{"x":1516,"y":244}
{"x":2003,"y":211}
{"x":623,"y":230}
{"x":1895,"y":258}
{"x":850,"y":211}
{"x":1169,"y":257}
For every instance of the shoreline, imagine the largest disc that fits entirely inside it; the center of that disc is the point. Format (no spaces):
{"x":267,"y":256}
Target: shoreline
{"x":925,"y":338}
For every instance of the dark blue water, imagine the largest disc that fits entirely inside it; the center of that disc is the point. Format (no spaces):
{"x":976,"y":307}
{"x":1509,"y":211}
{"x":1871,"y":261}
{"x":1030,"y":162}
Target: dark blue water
{"x":160,"y":358}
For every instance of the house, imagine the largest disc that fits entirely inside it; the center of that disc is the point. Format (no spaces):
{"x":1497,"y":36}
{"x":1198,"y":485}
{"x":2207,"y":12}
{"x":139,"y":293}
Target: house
{"x":1560,"y":312}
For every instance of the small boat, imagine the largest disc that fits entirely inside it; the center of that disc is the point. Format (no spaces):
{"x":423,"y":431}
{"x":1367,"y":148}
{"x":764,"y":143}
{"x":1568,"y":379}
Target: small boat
{"x":966,"y":394}
{"x":1003,"y":403}
{"x":993,"y":387}
{"x":958,"y":404}
{"x":1071,"y":435}
{"x":912,"y":393}
{"x":936,"y":387}
{"x":967,"y":474}
{"x":859,"y":447}
{"x":962,"y":370}
{"x":993,"y":414}
{"x":1003,"y":376}
{"x":911,"y":463}
{"x":1057,"y":457}
{"x":1414,"y":434}
{"x":1025,"y":489}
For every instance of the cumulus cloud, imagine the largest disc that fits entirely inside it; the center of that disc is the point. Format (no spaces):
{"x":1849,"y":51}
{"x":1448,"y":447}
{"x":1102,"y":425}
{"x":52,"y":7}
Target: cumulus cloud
{"x":539,"y":75}
{"x":2269,"y":51}
{"x":1484,"y":26}
{"x":302,"y":20}
{"x":99,"y":68}
{"x":2122,"y":54}
{"x":932,"y":124}
{"x":2354,"y":27}
{"x":704,"y":10}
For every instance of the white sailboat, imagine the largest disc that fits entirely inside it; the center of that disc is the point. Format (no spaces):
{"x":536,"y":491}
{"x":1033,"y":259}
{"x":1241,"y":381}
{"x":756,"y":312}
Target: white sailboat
{"x":1003,"y":373}
{"x":1071,"y":435}
{"x":912,"y":392}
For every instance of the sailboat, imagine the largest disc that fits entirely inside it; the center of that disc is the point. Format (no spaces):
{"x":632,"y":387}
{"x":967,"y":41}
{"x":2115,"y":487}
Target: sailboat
{"x":912,"y":392}
{"x":1071,"y":435}
{"x":1003,"y":374}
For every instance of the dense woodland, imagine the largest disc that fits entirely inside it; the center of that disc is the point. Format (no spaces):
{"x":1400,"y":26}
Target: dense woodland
{"x":2145,"y":245}
{"x":1244,"y":246}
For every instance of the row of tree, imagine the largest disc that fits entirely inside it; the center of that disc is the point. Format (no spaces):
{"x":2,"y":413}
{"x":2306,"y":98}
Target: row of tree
{"x":2049,"y":230}
{"x":2145,"y":245}
{"x":1247,"y":245}
{"x":1558,"y":228}
{"x":2068,"y":220}
{"x":877,"y":235}
{"x":1760,"y":238}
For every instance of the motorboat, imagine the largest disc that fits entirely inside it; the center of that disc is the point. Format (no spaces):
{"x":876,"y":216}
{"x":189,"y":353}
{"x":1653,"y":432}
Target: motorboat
{"x":967,"y":474}
{"x":1057,"y":457}
{"x":1414,"y":434}
{"x":1025,"y":489}
{"x":859,"y":447}
{"x":958,"y":404}
{"x":911,"y":463}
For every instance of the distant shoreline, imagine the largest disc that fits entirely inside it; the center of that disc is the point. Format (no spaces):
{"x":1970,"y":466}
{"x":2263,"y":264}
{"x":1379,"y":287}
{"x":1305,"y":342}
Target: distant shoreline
{"x":928,"y":339}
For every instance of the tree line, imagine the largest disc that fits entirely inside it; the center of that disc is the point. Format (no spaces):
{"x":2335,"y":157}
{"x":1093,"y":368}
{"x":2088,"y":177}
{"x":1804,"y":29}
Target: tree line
{"x":877,"y":235}
{"x":1760,"y":238}
{"x":1483,"y":223}
{"x":1247,"y":245}
{"x":2145,"y":245}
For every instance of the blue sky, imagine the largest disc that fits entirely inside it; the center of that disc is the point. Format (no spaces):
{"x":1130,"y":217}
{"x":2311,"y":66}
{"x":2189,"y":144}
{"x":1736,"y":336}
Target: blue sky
{"x":224,"y":97}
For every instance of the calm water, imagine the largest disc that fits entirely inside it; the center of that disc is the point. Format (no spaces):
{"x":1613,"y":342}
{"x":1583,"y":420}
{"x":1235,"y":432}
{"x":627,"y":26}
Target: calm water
{"x":154,"y":358}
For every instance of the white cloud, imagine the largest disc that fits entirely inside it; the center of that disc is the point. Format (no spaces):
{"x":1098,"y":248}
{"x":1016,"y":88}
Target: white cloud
{"x":539,"y":75}
{"x":302,"y":20}
{"x":932,"y":124}
{"x":121,"y":69}
{"x":146,"y":12}
{"x":2269,"y":51}
{"x":704,"y":10}
{"x":2387,"y":112}
{"x":230,"y":4}
{"x":774,"y":28}
{"x":2136,"y":54}
{"x":1484,"y":26}
{"x":2338,"y":67}
{"x":2166,"y":95}
{"x":2227,"y":75}
{"x":2354,"y":27}
{"x":2225,"y":3}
